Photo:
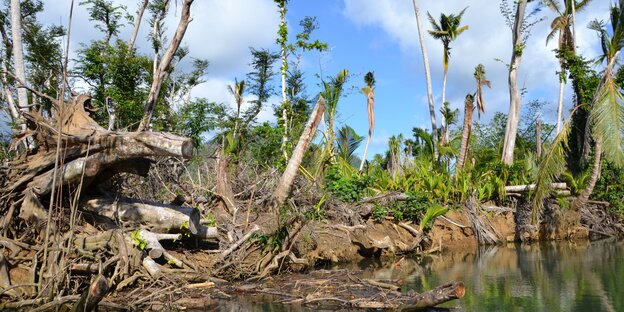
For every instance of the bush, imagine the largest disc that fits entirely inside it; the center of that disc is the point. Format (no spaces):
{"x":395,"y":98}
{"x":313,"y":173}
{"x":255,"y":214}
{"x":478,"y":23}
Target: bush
{"x":349,"y":188}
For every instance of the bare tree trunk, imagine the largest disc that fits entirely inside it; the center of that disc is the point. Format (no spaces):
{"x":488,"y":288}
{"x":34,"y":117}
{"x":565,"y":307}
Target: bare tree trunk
{"x":538,"y":138}
{"x":574,"y":26}
{"x":283,"y":78}
{"x":370,"y":133}
{"x":560,"y":105}
{"x":371,"y":124}
{"x":161,"y":71}
{"x":421,"y":38}
{"x":584,"y":197}
{"x":137,"y":24}
{"x":18,"y":56}
{"x":513,"y":117}
{"x":286,"y":181}
{"x":468,"y":113}
{"x":446,"y":138}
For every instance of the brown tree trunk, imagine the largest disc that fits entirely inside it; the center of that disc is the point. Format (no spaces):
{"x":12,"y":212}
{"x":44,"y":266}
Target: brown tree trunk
{"x":285,"y":183}
{"x":161,"y":71}
{"x":582,"y":199}
{"x":538,"y":138}
{"x":465,"y":142}
{"x":513,"y":117}
{"x":436,"y":296}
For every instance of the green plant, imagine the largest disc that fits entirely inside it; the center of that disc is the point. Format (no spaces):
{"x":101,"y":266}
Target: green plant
{"x":137,"y":240}
{"x":433,"y":212}
{"x":185,"y":229}
{"x":210,"y":220}
{"x":349,"y":188}
{"x":378,"y":213}
{"x":273,"y":241}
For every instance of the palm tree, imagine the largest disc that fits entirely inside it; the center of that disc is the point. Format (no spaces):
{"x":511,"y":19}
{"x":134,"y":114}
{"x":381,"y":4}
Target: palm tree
{"x":607,"y":112}
{"x":237,"y":91}
{"x":479,"y":75}
{"x":446,"y":31}
{"x":369,"y":92}
{"x":332,"y":90}
{"x":561,"y":26}
{"x":347,"y":141}
{"x":423,"y":48}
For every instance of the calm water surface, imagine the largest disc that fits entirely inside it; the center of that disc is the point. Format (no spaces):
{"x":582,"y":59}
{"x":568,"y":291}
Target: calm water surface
{"x":560,"y":276}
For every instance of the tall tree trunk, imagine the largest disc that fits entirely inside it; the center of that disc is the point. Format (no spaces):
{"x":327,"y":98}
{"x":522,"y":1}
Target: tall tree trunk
{"x":445,"y":138}
{"x":137,"y":24}
{"x":423,"y":48}
{"x":468,"y":116}
{"x":538,"y":138}
{"x":574,"y":26}
{"x":560,"y":105}
{"x":18,"y":56}
{"x":371,"y":124}
{"x":285,"y":183}
{"x":511,"y":130}
{"x":582,"y":199}
{"x":283,"y":78}
{"x":161,"y":71}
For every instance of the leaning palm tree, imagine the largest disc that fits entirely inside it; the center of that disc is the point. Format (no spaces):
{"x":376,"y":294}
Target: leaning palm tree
{"x":479,"y":75}
{"x":607,"y":112}
{"x":446,"y":31}
{"x":237,"y":91}
{"x":423,"y":48}
{"x":606,"y":119}
{"x":561,"y":27}
{"x":369,"y":91}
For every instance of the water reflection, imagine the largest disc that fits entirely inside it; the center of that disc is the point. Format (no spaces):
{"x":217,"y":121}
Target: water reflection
{"x":558,"y":276}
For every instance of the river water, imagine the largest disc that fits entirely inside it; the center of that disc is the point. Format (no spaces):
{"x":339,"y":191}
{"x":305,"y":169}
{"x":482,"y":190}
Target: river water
{"x":558,"y":276}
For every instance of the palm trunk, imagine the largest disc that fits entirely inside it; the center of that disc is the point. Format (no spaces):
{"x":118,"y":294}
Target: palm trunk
{"x":159,"y":75}
{"x":18,"y":56}
{"x":538,"y":138}
{"x":468,"y":116}
{"x":423,"y":48}
{"x":370,"y":133}
{"x":511,"y":130}
{"x":446,"y":138}
{"x":584,"y":197}
{"x":137,"y":24}
{"x":283,"y":187}
{"x":560,"y":105}
{"x":574,"y":26}
{"x":283,"y":79}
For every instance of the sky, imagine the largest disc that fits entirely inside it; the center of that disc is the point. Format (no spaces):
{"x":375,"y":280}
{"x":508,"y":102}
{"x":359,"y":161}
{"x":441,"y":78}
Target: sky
{"x":365,"y":35}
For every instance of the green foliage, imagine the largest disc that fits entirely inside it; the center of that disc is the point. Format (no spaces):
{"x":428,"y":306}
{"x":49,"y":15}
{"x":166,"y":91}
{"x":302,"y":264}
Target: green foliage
{"x":137,"y":240}
{"x":210,"y":220}
{"x":610,"y":188}
{"x":378,"y":212}
{"x":349,"y":188}
{"x":273,"y":241}
{"x":433,"y":212}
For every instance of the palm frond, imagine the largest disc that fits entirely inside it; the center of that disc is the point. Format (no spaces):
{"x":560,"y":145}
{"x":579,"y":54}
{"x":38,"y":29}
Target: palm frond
{"x":433,"y":212}
{"x":553,"y":5}
{"x":551,"y":165}
{"x":347,"y":142}
{"x":434,"y":24}
{"x":608,"y":120}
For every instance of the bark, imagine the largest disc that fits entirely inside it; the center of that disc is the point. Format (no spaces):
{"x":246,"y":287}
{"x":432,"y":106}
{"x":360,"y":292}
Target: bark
{"x":436,"y":296}
{"x":18,"y":53}
{"x":513,"y":117}
{"x":538,"y":138}
{"x":370,"y":96}
{"x":223,"y":187}
{"x":137,"y":24}
{"x":152,"y":267}
{"x":582,"y":199}
{"x":283,"y":80}
{"x":93,"y":295}
{"x":421,"y":38}
{"x":288,"y":177}
{"x":560,"y":104}
{"x":161,"y":71}
{"x":468,"y":116}
{"x":445,"y":138}
{"x":154,"y":216}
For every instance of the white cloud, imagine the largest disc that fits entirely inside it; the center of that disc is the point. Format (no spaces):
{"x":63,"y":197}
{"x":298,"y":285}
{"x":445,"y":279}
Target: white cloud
{"x":487,"y":39}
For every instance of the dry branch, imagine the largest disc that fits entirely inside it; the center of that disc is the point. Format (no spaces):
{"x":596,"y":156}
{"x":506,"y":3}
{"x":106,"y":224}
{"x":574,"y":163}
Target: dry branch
{"x":530,"y":187}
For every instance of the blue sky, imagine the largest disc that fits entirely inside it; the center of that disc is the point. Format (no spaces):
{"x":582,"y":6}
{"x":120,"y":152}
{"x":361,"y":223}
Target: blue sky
{"x":365,"y":35}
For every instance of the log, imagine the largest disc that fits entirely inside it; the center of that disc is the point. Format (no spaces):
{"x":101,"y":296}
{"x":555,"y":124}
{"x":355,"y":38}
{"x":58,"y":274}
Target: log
{"x":155,"y":216}
{"x":530,"y":187}
{"x":152,"y":267}
{"x":92,"y":296}
{"x":436,"y":296}
{"x":153,"y":245}
{"x":69,"y":173}
{"x":207,"y":232}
